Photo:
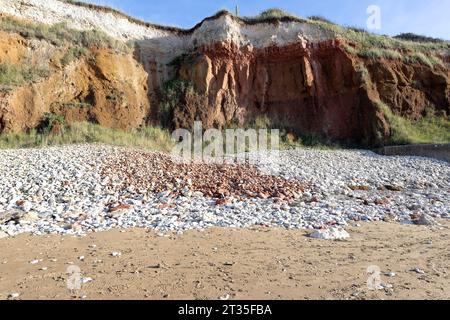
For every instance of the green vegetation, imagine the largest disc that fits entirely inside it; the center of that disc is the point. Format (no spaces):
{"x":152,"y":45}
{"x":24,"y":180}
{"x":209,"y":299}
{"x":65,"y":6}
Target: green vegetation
{"x":49,"y":122}
{"x":175,"y":91}
{"x":376,"y":53}
{"x":60,"y":34}
{"x":418,"y":38}
{"x":370,"y":45}
{"x":76,"y":44}
{"x":370,"y":40}
{"x":11,"y":74}
{"x":320,"y":19}
{"x":431,"y":128}
{"x":428,"y":60}
{"x":73,"y":54}
{"x":270,"y":15}
{"x":151,"y":138}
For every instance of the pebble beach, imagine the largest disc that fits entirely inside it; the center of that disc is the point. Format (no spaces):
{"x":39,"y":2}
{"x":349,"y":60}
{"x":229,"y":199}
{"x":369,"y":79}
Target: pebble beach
{"x":90,"y":188}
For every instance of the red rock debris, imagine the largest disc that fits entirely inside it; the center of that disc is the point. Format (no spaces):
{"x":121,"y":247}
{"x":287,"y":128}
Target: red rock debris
{"x":156,"y":172}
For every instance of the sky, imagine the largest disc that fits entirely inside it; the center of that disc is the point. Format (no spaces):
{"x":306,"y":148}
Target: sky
{"x":430,"y":17}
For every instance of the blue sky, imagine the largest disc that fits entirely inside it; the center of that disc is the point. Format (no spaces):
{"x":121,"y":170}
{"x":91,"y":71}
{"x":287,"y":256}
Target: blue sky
{"x":427,"y":17}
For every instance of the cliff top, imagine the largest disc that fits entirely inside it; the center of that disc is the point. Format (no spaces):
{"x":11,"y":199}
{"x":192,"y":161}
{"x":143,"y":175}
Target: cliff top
{"x":272,"y":15}
{"x":271,"y":27}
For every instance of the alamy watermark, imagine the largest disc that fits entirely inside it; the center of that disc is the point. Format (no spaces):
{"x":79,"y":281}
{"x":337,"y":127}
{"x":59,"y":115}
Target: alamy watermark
{"x":252,"y":146}
{"x":374,"y":20}
{"x":374,"y":279}
{"x":74,"y":278}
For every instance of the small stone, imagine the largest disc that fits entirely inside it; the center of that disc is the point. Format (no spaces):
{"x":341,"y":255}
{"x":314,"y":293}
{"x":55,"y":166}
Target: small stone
{"x":360,"y":188}
{"x":393,"y":188}
{"x":222,"y":201}
{"x":13,"y":295}
{"x":29,"y":217}
{"x":118,"y":210}
{"x":418,"y":270}
{"x":76,"y":227}
{"x":186,"y":192}
{"x":390,"y":274}
{"x":87,"y":280}
{"x":426,"y":220}
{"x":381,"y":202}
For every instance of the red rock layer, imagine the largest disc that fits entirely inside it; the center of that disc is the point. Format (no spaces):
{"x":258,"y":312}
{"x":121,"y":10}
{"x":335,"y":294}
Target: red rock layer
{"x":313,"y":88}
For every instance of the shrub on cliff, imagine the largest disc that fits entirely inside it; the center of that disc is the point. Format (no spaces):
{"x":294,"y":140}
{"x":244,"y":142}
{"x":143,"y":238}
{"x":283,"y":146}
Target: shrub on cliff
{"x":51,"y":124}
{"x":12,"y":74}
{"x":432,"y":128}
{"x":177,"y":95}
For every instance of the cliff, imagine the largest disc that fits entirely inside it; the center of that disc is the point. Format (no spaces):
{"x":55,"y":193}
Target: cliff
{"x":306,"y":74}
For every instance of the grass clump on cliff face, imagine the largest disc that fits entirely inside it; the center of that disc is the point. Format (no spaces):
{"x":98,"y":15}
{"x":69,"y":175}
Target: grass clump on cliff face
{"x":73,"y":54}
{"x":375,"y":53}
{"x":150,"y":138}
{"x":60,"y":34}
{"x":12,"y":74}
{"x":429,"y":129}
{"x":176,"y":94}
{"x":421,"y":58}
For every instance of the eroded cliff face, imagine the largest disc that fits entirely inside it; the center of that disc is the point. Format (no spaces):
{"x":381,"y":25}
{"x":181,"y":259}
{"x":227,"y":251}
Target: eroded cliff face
{"x":312,"y":88}
{"x":109,"y":88}
{"x":410,"y":89}
{"x":294,"y":72}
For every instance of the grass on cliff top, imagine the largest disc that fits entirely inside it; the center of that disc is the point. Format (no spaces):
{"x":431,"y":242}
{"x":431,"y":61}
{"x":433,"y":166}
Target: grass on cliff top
{"x":273,"y":14}
{"x":150,"y":138}
{"x":411,"y":49}
{"x":60,"y":34}
{"x":429,"y":129}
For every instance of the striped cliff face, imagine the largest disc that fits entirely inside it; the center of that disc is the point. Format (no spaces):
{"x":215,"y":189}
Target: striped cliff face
{"x":293,"y":71}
